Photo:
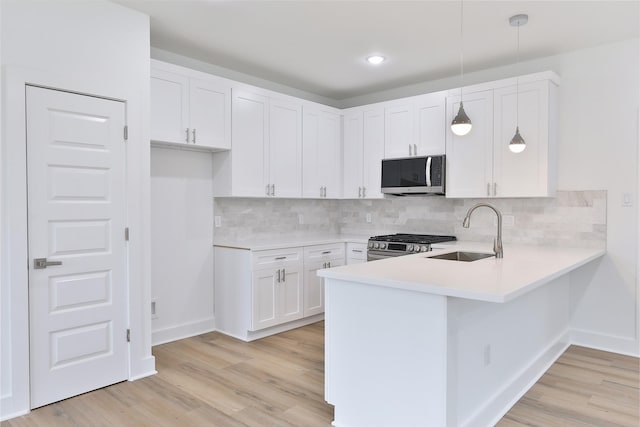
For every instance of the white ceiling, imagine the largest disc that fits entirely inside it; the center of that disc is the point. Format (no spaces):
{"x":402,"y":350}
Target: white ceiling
{"x":320,"y":46}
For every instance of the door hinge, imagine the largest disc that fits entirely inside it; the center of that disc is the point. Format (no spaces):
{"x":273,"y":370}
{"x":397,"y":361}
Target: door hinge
{"x":126,"y":133}
{"x":128,"y":335}
{"x":126,"y":234}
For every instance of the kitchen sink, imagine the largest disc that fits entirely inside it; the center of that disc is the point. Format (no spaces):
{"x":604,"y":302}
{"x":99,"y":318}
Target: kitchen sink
{"x":462,"y":256}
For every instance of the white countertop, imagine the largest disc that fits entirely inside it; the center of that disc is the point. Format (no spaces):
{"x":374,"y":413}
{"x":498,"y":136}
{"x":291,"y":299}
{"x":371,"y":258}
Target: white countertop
{"x":522,"y":269}
{"x":285,"y":241}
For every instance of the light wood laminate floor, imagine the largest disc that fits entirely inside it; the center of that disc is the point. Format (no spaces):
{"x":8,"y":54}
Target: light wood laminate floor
{"x":214,"y":380}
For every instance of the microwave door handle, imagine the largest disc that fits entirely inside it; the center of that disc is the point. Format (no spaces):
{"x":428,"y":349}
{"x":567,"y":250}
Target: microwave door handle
{"x":428,"y":171}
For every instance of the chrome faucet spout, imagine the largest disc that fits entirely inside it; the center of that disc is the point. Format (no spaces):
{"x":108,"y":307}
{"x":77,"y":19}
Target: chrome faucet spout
{"x":497,"y":242}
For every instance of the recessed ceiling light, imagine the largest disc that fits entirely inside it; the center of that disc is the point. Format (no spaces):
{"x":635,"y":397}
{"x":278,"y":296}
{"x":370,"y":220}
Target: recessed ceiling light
{"x":375,"y":59}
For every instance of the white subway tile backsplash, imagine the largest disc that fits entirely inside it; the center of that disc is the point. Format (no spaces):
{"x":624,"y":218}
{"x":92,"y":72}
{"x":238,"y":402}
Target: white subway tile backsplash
{"x":572,"y":218}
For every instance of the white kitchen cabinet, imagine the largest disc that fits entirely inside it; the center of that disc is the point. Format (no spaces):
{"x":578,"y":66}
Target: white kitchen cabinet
{"x":266,"y":159}
{"x":430,"y":124}
{"x":356,"y":253}
{"x":470,"y":157}
{"x":415,"y":126}
{"x":399,"y":138}
{"x":189,"y":109}
{"x":317,"y":258}
{"x":259,"y":293}
{"x":480,"y":163}
{"x":363,"y":152}
{"x":322,"y":153}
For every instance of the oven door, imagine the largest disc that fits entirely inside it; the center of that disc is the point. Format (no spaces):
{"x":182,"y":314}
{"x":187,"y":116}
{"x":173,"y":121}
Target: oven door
{"x":373,"y":255}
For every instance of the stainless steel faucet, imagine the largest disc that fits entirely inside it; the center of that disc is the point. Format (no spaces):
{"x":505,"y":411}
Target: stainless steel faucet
{"x":497,"y":243}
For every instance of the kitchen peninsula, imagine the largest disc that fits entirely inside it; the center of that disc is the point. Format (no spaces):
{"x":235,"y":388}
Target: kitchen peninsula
{"x":417,"y":341}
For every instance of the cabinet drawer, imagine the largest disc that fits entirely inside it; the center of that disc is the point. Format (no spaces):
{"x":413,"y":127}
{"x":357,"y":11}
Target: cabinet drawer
{"x":276,"y":257}
{"x":326,"y":252}
{"x":357,"y":251}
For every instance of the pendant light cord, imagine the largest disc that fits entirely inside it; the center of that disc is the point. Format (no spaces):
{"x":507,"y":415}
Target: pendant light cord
{"x":461,"y":48}
{"x":518,"y":80}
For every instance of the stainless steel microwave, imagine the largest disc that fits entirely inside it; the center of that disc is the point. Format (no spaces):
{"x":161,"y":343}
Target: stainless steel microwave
{"x":414,"y":175}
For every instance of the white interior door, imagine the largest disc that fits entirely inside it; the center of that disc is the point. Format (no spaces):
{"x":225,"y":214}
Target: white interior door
{"x":76,"y":204}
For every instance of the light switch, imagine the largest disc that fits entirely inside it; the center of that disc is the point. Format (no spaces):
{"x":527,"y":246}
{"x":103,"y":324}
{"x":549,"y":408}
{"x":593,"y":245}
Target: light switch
{"x":217,"y":221}
{"x":627,"y":200}
{"x":368,"y":217}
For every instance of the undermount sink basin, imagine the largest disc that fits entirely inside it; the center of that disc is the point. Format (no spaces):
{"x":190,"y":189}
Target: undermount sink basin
{"x":462,"y":256}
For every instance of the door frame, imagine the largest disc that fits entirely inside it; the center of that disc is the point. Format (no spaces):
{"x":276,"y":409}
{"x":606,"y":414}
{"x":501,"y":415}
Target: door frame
{"x":14,"y":279}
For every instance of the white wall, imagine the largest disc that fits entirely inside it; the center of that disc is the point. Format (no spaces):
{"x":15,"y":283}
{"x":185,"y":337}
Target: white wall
{"x":181,"y":243}
{"x":97,"y":48}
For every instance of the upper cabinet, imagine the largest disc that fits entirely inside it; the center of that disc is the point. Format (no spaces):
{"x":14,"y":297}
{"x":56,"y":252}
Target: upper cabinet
{"x":266,"y":158}
{"x":321,"y":152}
{"x":363,"y":152}
{"x":480,"y":163}
{"x":415,"y":126}
{"x":189,"y":109}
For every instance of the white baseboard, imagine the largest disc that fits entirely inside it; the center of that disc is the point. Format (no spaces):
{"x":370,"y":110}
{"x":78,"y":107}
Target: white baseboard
{"x":182,"y":331}
{"x":611,"y":343}
{"x":500,"y":403}
{"x":7,"y":410}
{"x":255,"y":335}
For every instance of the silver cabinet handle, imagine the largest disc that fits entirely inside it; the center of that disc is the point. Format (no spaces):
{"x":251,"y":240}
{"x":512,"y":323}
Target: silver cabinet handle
{"x":488,"y":189}
{"x":324,"y":265}
{"x":266,"y":190}
{"x":320,"y":191}
{"x":409,"y":149}
{"x":186,"y":138}
{"x":495,"y":188}
{"x":364,"y":191}
{"x":273,"y":189}
{"x":325,"y":191}
{"x":193,"y":133}
{"x":284,"y":276}
{"x":329,"y":264}
{"x":278,"y":258}
{"x":278,"y":279}
{"x":326,"y":252}
{"x":415,"y":150}
{"x":359,"y":251}
{"x":39,"y":263}
{"x":359,"y":191}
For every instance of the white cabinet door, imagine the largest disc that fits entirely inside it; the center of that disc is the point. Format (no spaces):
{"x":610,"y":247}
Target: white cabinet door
{"x":210,"y":114}
{"x":373,"y":151}
{"x":430,"y":125}
{"x":398,"y":129}
{"x":322,"y":154}
{"x":311,"y":180}
{"x":330,"y":154}
{"x":470,"y":157}
{"x":314,"y":285}
{"x":264,"y":298}
{"x":353,"y":148}
{"x":290,"y":298}
{"x":285,"y":148}
{"x":522,"y":174}
{"x":169,"y":121}
{"x":250,"y":136}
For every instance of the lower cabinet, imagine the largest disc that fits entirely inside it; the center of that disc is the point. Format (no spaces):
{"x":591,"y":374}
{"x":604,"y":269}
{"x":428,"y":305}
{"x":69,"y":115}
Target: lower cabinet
{"x":356,"y":253}
{"x":317,"y":258}
{"x":260,"y":293}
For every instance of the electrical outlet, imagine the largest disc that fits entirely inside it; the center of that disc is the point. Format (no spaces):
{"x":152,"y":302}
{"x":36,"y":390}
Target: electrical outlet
{"x":154,"y":309}
{"x":300,"y":219}
{"x":217,"y":221}
{"x":368,"y":218}
{"x":487,"y":355}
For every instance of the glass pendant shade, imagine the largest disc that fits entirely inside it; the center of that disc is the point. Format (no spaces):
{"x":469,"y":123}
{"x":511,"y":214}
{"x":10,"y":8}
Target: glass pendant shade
{"x":461,"y":124}
{"x":517,"y":144}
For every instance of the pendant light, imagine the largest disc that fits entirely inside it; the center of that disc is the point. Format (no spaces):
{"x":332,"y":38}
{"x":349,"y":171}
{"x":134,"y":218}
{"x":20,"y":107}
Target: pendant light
{"x":461,"y":124}
{"x":517,"y":144}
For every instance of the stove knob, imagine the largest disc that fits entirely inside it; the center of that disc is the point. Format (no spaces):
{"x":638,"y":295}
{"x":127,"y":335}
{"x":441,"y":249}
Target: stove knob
{"x":376,"y":245}
{"x":409,"y":248}
{"x":370,"y":244}
{"x":383,"y":245}
{"x":424,"y":248}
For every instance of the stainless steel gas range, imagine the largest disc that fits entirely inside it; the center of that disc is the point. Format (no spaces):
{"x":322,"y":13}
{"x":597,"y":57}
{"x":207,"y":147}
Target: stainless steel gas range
{"x":391,"y":245}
